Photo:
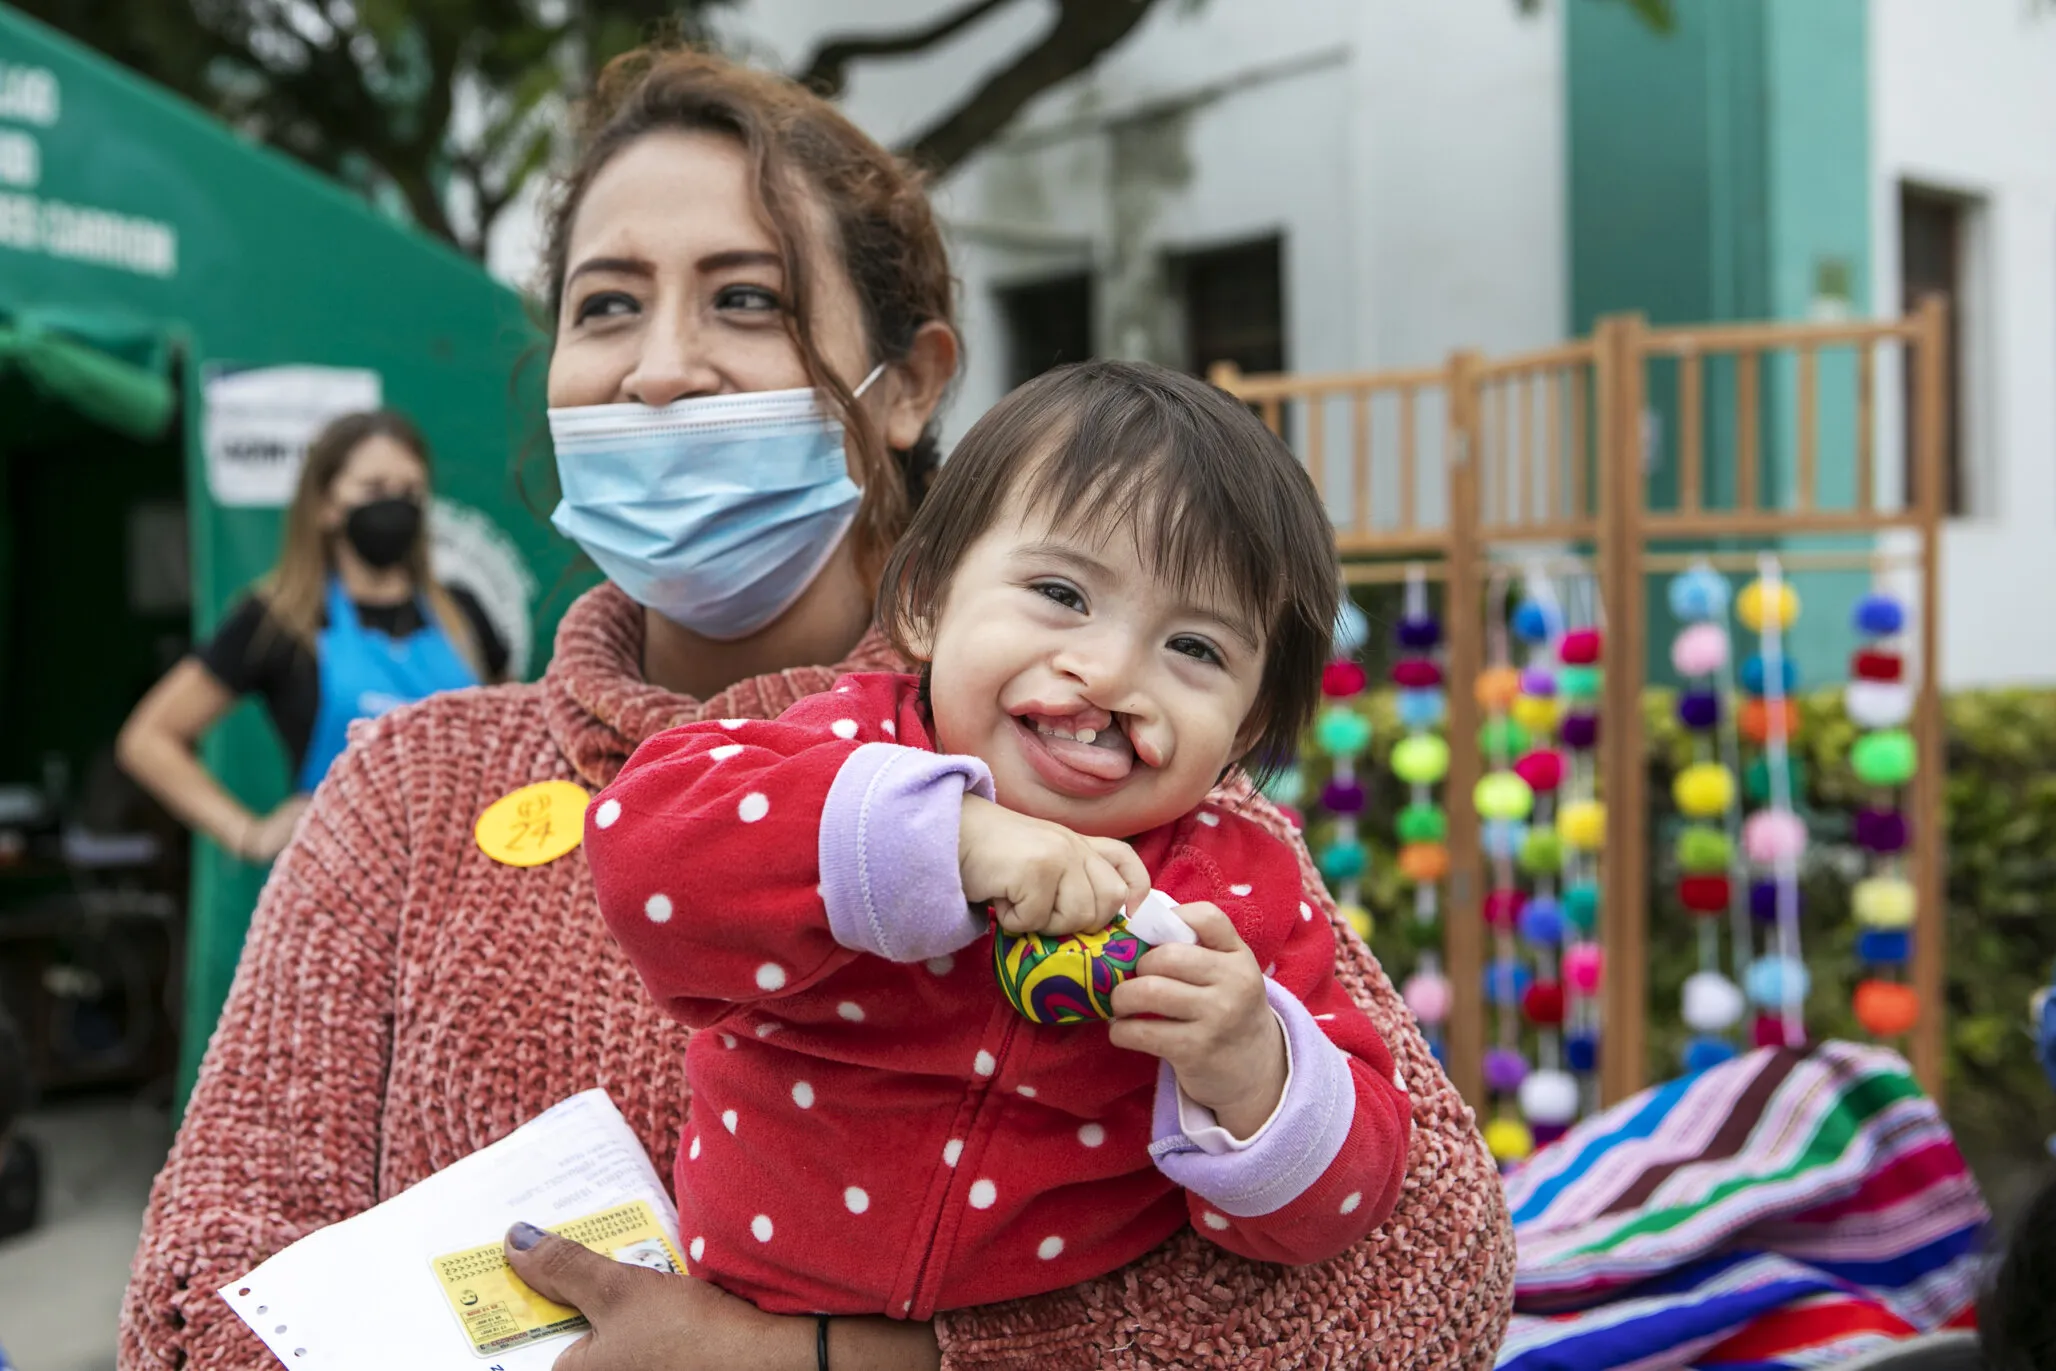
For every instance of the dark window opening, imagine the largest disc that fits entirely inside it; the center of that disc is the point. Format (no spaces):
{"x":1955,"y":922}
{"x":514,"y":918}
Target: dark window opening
{"x":1931,"y":262}
{"x":1234,"y":306}
{"x":1048,"y":323}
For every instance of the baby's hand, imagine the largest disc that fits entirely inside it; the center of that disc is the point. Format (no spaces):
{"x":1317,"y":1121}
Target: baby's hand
{"x":1213,"y":1024}
{"x":1040,"y":877}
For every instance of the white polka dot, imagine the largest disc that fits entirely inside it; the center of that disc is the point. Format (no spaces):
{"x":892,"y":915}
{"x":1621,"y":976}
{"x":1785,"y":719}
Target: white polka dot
{"x":728,"y":1040}
{"x":1270,"y":968}
{"x":1306,"y":911}
{"x":856,"y":1200}
{"x":760,"y":1227}
{"x":725,"y":751}
{"x":941,"y":966}
{"x":891,"y":728}
{"x":1213,"y":1220}
{"x":1026,"y":1091}
{"x":1398,"y":1079}
{"x":952,"y":1150}
{"x":1050,"y":1248}
{"x":733,"y":724}
{"x":851,"y":1010}
{"x":728,"y":1119}
{"x":1092,"y":1135}
{"x":844,"y":729}
{"x":693,"y":1153}
{"x":1209,"y":818}
{"x":698,"y":1249}
{"x":770,"y":976}
{"x":1324,"y":1018}
{"x":1239,"y":890}
{"x":658,"y":907}
{"x":983,"y":1193}
{"x":607,"y":813}
{"x":842,"y":690}
{"x":1351,"y":1201}
{"x":754,"y":806}
{"x":983,"y":1063}
{"x":905,"y":1305}
{"x":803,"y":1094}
{"x":768,"y":1027}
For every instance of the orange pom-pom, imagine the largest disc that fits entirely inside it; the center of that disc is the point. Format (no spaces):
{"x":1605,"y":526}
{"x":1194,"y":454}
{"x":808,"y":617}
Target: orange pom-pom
{"x":1424,"y":863}
{"x":1757,"y":720}
{"x":1887,"y":1009}
{"x":1497,"y":687}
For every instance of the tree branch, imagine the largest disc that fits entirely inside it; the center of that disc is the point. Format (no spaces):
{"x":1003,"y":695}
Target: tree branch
{"x":1085,"y":30}
{"x":827,"y":71}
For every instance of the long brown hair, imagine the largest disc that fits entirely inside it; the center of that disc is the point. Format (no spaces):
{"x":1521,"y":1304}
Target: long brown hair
{"x":295,"y":590}
{"x":882,"y":229}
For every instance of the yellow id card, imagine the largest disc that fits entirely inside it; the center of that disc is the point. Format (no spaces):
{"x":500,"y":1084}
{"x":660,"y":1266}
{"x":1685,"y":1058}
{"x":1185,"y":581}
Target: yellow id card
{"x":498,"y":1311}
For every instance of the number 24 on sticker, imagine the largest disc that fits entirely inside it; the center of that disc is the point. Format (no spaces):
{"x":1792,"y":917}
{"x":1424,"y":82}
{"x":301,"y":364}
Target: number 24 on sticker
{"x":536,"y":824}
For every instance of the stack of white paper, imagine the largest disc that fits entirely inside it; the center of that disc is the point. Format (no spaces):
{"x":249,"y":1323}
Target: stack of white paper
{"x":417,"y":1281}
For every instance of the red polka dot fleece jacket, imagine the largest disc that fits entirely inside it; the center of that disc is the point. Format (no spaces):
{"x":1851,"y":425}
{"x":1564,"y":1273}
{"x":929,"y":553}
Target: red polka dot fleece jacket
{"x":874,"y":1129}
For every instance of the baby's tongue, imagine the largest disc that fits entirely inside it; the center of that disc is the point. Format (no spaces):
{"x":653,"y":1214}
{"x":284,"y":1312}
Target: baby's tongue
{"x":1109,"y":756}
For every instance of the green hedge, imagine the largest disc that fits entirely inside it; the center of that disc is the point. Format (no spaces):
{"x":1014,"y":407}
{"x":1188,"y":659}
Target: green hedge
{"x":2001,"y":810}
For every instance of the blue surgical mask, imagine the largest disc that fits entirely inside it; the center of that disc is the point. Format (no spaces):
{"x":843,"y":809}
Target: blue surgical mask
{"x":716,"y":512}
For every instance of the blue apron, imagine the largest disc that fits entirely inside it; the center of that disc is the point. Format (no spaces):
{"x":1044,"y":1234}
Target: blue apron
{"x":364,"y":673}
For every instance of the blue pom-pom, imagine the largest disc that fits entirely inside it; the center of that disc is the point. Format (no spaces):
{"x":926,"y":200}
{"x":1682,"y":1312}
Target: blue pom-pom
{"x":1419,"y":632}
{"x":1702,"y":1054}
{"x":1880,"y":616}
{"x":1541,"y":921}
{"x":1506,"y":982}
{"x":1581,"y":1051}
{"x":1884,"y":946}
{"x":1756,"y":676}
{"x":1532,"y":623}
{"x":1435,"y":1051}
{"x":1352,"y":630}
{"x":2045,"y":1037}
{"x":1774,"y":979}
{"x":1698,"y":595}
{"x":1421,"y":708}
{"x":1502,"y":838}
{"x":1343,"y":861}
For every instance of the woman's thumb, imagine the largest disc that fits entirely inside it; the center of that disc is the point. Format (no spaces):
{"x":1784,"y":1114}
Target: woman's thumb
{"x":561,"y":1270}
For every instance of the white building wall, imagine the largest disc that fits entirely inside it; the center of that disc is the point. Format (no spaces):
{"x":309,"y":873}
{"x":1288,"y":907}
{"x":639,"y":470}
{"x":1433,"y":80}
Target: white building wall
{"x":1963,"y":99}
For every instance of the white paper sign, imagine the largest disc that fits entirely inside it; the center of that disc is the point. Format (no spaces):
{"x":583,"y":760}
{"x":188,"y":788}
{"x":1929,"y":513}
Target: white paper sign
{"x":259,"y":422}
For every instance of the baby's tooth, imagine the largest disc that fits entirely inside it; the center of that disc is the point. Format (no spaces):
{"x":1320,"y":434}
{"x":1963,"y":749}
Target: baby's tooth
{"x":1086,"y":735}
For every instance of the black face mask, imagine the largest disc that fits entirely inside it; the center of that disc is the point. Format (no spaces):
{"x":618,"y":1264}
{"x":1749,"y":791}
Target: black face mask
{"x":383,"y":531}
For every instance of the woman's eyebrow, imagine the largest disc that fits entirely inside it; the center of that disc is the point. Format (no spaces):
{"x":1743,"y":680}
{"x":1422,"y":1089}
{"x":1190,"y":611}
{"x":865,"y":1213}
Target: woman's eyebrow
{"x":620,"y":266}
{"x":740,"y":257}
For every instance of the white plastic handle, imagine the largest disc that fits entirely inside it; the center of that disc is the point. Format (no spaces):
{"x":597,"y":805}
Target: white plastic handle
{"x":1157,"y":921}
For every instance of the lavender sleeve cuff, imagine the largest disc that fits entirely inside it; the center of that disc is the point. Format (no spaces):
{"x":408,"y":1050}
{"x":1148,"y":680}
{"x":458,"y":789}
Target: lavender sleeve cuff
{"x":1292,"y":1151}
{"x":889,"y":852}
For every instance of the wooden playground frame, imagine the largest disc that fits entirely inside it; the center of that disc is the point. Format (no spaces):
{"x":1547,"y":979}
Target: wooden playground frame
{"x":1575,"y":474}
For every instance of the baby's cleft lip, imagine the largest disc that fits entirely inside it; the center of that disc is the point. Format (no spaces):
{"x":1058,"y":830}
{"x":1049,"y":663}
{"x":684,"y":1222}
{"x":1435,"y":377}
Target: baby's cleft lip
{"x":1065,"y":720}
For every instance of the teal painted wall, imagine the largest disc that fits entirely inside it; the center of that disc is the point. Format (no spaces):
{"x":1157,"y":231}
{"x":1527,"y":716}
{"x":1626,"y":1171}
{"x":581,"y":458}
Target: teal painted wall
{"x":274,"y":265}
{"x":1721,"y":172}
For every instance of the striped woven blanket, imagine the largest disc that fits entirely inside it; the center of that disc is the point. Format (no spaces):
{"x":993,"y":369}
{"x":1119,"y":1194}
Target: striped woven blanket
{"x":1786,"y":1209}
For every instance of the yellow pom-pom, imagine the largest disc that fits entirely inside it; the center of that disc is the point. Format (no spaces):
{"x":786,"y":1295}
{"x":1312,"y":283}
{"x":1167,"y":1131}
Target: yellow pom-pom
{"x":1359,"y":919}
{"x":1508,"y":1140}
{"x":1582,"y":825}
{"x":1536,"y":713}
{"x":1704,"y":790}
{"x":1757,"y":608}
{"x":1883,"y":902}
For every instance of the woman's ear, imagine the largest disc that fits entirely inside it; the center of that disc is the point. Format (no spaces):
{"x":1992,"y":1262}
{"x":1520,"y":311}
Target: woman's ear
{"x":919,"y":380}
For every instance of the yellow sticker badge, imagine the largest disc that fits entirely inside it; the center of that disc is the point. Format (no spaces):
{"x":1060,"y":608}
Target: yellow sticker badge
{"x":536,"y":824}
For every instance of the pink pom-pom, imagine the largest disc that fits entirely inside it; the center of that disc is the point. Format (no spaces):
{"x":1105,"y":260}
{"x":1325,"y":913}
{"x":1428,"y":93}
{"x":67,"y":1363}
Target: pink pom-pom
{"x":1700,"y":650}
{"x":1582,"y":965}
{"x":1542,"y":769}
{"x":1773,"y":835}
{"x":1427,"y":994}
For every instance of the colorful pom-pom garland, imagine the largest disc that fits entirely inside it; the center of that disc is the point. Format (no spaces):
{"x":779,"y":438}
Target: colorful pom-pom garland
{"x":1421,"y":761}
{"x":1885,"y":759}
{"x":1342,"y":733}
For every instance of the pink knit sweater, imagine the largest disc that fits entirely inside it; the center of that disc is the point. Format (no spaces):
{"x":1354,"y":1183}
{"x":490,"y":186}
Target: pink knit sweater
{"x":403,"y":1001}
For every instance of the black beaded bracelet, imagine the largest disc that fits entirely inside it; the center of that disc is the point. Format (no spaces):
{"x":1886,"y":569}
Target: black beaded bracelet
{"x":821,"y":1343}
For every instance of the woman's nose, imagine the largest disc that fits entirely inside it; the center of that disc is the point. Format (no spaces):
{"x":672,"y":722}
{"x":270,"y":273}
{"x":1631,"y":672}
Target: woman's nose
{"x":673,"y":364}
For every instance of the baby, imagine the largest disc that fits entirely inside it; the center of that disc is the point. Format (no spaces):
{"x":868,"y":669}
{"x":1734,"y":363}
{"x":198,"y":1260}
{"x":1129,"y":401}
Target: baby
{"x":1121,"y":585}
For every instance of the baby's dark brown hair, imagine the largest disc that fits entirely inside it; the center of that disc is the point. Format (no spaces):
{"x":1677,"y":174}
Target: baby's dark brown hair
{"x":1211,"y":497}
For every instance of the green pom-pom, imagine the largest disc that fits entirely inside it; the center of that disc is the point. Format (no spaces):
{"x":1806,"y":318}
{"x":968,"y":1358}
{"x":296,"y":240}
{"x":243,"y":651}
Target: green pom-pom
{"x":1502,"y":737}
{"x":1885,"y":758}
{"x":1542,"y":852}
{"x":1756,"y":780}
{"x":1580,"y":682}
{"x":1342,"y":732}
{"x":1422,"y":759}
{"x":1704,"y":851}
{"x":1581,"y":907}
{"x":1423,"y":823}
